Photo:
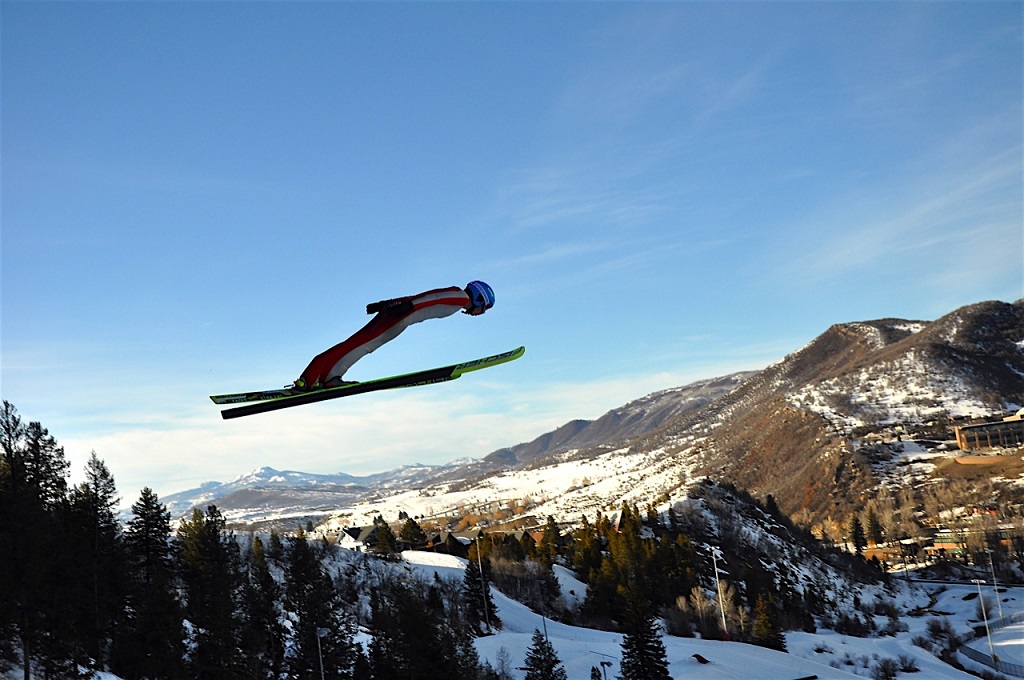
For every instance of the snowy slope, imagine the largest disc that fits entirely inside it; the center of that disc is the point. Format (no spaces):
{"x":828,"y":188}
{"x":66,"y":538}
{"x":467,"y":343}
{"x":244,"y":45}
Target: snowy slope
{"x":825,"y":654}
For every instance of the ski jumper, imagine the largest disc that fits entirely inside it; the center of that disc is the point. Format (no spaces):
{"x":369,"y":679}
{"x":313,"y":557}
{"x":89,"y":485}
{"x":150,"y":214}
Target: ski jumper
{"x":393,"y":317}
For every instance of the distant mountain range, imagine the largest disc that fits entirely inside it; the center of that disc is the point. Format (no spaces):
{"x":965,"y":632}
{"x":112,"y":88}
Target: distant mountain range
{"x":276,"y":490}
{"x":790,"y":430}
{"x":267,"y":492}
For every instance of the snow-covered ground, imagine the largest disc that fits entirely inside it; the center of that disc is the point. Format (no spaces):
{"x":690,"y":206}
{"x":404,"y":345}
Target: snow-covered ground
{"x":565,"y":490}
{"x":825,"y":654}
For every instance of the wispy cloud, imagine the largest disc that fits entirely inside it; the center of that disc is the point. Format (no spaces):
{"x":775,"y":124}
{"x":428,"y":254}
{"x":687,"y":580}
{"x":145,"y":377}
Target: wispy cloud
{"x":946,"y":210}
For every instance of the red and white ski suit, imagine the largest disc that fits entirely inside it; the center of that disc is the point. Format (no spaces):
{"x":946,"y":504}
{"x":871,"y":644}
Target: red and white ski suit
{"x":383,"y":328}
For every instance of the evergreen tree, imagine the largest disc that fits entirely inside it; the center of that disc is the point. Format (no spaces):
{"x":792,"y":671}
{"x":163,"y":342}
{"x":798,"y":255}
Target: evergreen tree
{"x":550,"y":589}
{"x":603,"y":600}
{"x":542,"y":663}
{"x":857,"y":535}
{"x":405,"y":643}
{"x":632,"y":559}
{"x":674,"y":524}
{"x":874,"y":528}
{"x":386,"y":546}
{"x":151,"y":645}
{"x":653,"y":517}
{"x":412,"y":534}
{"x":34,"y":582}
{"x":261,"y":639}
{"x":547,"y":550}
{"x":586,"y":552}
{"x":766,"y":631}
{"x":96,"y":601}
{"x":321,"y":630}
{"x":209,"y":570}
{"x":643,"y":652}
{"x":510,"y":548}
{"x":672,"y":570}
{"x":480,"y":609}
{"x":275,"y":550}
{"x":529,"y":545}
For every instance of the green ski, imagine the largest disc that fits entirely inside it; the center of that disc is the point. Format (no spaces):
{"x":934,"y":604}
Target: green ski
{"x":273,"y":400}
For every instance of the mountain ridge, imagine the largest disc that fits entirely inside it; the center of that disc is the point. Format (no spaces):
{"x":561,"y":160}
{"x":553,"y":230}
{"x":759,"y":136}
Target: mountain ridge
{"x":791,"y":429}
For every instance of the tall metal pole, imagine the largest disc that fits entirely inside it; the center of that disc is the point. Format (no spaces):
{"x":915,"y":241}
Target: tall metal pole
{"x":483,"y":581}
{"x":984,"y":615}
{"x":995,"y":588}
{"x":718,"y":583}
{"x":319,"y":653}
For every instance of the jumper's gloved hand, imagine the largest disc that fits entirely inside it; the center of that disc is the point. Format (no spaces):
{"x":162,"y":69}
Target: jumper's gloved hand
{"x":390,"y":307}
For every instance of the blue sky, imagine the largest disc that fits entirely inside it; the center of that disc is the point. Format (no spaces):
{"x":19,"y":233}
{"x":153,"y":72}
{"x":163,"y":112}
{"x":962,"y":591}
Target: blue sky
{"x":199,"y":197}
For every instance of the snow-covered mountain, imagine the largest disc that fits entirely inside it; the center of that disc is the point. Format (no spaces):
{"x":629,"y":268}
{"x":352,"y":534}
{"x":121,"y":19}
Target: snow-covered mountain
{"x":634,"y":419}
{"x":287,"y":493}
{"x":792,"y":430}
{"x":274,"y":496}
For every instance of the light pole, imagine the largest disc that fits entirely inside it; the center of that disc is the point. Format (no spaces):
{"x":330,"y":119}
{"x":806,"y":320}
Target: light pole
{"x":984,"y":615}
{"x":605,"y":665}
{"x":483,"y":582}
{"x":995,"y":588}
{"x":321,"y":632}
{"x":718,"y":584}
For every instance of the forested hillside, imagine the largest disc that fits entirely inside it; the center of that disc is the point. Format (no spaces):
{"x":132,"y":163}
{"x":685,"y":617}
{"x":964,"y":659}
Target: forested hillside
{"x":81,"y":591}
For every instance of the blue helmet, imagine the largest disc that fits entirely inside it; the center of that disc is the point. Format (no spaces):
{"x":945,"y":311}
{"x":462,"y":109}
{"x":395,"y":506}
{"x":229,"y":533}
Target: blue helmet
{"x":481,"y":295}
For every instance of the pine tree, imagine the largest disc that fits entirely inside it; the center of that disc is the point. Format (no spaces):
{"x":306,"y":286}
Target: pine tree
{"x":321,"y":631}
{"x":33,"y":584}
{"x":643,"y":652}
{"x":586,"y":553}
{"x":412,"y":534}
{"x":480,"y":609}
{"x":672,"y":570}
{"x":151,"y":645}
{"x":857,"y":535}
{"x":674,"y":524}
{"x":94,"y":538}
{"x":275,"y":550}
{"x":550,"y":589}
{"x":386,"y":546}
{"x":209,"y":570}
{"x":766,"y":631}
{"x":542,"y":663}
{"x":261,"y":639}
{"x":603,"y":600}
{"x":547,"y":551}
{"x":874,"y":528}
{"x":406,"y":640}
